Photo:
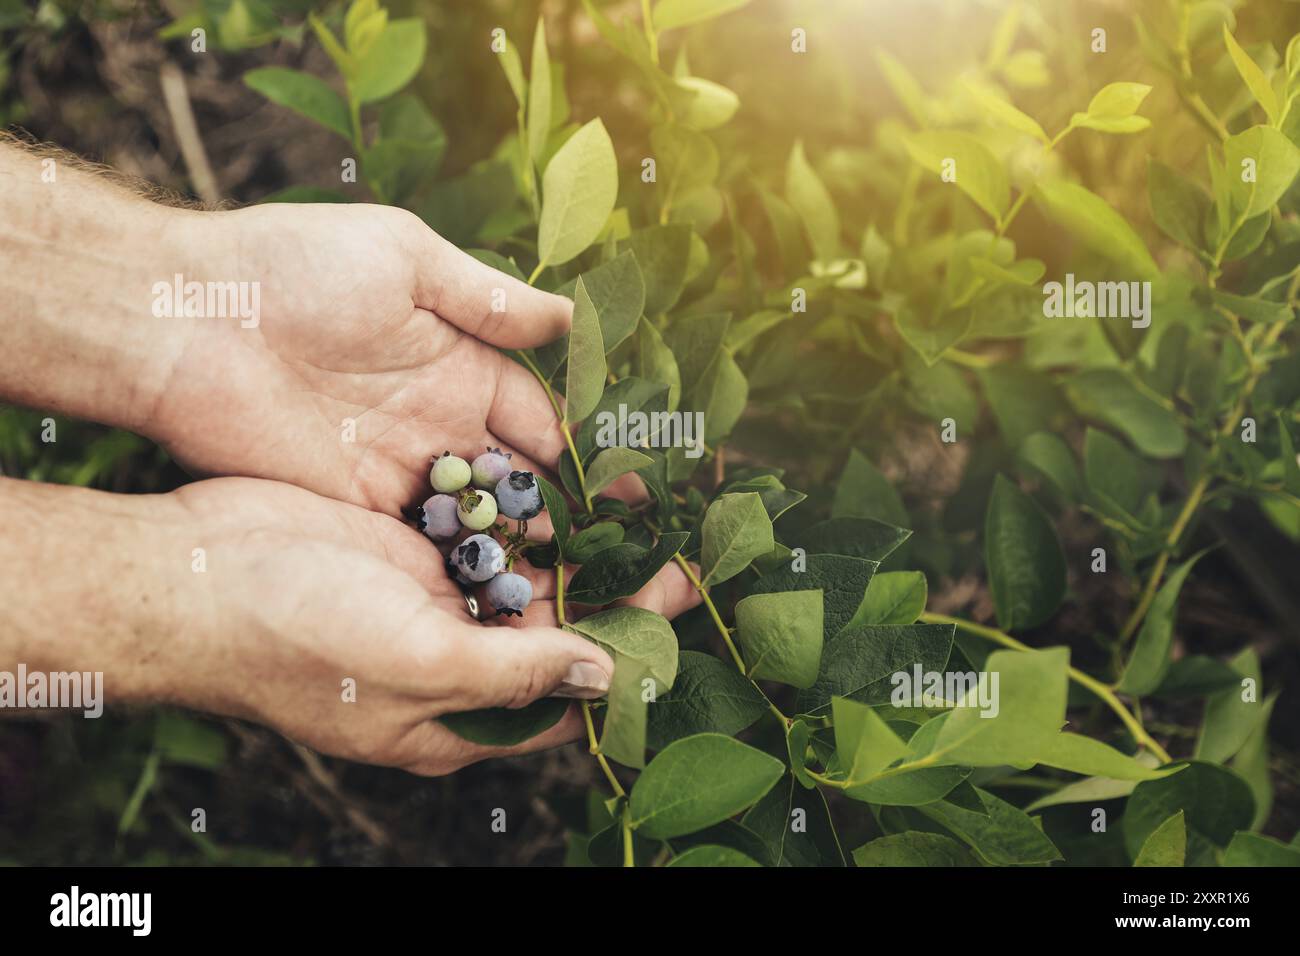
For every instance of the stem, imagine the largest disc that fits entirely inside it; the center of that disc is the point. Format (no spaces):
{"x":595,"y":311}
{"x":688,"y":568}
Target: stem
{"x":651,"y":37}
{"x":1103,"y":692}
{"x":594,"y":748}
{"x":559,"y":592}
{"x":723,"y":630}
{"x":536,"y":272}
{"x":1197,"y":494}
{"x":568,"y":439}
{"x":629,"y":859}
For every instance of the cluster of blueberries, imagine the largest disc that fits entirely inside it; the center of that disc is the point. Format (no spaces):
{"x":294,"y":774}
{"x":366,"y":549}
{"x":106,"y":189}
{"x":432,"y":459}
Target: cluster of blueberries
{"x":472,"y":496}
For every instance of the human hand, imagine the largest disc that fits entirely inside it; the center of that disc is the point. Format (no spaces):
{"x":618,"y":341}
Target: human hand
{"x":300,"y":593}
{"x":367,"y":317}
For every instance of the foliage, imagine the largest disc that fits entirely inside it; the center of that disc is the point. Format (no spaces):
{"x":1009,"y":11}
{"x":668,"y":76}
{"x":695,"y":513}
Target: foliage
{"x":813,"y":305}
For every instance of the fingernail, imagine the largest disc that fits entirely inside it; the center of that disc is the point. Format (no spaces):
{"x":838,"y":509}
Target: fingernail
{"x":584,"y":681}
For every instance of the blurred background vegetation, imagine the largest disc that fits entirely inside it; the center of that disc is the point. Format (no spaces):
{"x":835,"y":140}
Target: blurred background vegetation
{"x":87,"y":76}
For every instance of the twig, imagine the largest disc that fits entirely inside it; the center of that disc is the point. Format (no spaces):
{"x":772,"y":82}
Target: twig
{"x":177,"y":98}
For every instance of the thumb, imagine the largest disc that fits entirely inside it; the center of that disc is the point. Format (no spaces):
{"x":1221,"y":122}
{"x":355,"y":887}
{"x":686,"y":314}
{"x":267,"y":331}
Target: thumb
{"x":512,"y":667}
{"x":485,"y":302}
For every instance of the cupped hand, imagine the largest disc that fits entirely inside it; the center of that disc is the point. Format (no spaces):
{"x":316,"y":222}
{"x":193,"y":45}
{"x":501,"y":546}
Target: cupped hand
{"x":373,"y":351}
{"x":303,"y":597}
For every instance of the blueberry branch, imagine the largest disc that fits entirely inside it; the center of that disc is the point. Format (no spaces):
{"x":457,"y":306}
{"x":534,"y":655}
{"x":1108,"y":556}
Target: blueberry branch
{"x":1105,"y":693}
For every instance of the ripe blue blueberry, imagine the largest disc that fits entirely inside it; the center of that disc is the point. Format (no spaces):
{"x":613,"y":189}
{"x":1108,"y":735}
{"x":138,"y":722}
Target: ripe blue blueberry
{"x":518,"y":495}
{"x":438,"y":517}
{"x":449,"y":473}
{"x":477,"y":510}
{"x":489,"y":468}
{"x":509,"y":593}
{"x":479,"y":557}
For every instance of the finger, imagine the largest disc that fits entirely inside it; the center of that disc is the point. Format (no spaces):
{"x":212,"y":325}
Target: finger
{"x":433,"y":750}
{"x":485,"y":302}
{"x":669,"y":593}
{"x":508,"y":667}
{"x":521,"y":415}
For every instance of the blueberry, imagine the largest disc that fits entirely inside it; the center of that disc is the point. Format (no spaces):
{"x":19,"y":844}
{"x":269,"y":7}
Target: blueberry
{"x":509,"y":593}
{"x":479,"y":557}
{"x":439,"y":519}
{"x":449,"y":473}
{"x":477,"y":510}
{"x":489,"y":468}
{"x":518,"y":495}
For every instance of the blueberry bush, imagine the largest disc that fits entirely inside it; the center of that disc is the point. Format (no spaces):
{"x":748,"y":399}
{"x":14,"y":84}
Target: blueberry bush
{"x":996,"y":374}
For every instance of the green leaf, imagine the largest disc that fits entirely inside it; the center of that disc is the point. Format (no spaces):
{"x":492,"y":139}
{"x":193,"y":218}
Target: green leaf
{"x":592,"y":540}
{"x":1048,"y":456}
{"x":617,"y":290}
{"x":585,"y":379}
{"x":1026,"y":566}
{"x":513,"y":68}
{"x":662,"y":253}
{"x":578,"y":192}
{"x":1150,"y":659}
{"x":1004,"y":112}
{"x":672,"y":14}
{"x":708,"y":695}
{"x":1167,"y":844}
{"x":1252,"y":307}
{"x":653,"y":361}
{"x":864,"y":492}
{"x":539,"y":96}
{"x":864,"y":743}
{"x":999,"y":834}
{"x":1085,"y":755}
{"x":1276,"y":161}
{"x":504,"y":727}
{"x":705,"y":104}
{"x":635,"y":394}
{"x":796,"y":825}
{"x":557,"y":508}
{"x":781,"y":635}
{"x":1253,"y":76}
{"x":842,"y":579}
{"x":855,"y":537}
{"x":696,"y":341}
{"x":893,"y":597}
{"x":735,"y":530}
{"x":697,"y":782}
{"x":304,"y":94}
{"x":1096,"y":224}
{"x":712,"y":856}
{"x":623,"y":735}
{"x":1179,"y":206}
{"x":1029,"y":702}
{"x":914,"y":848}
{"x":1216,"y":803}
{"x":391,"y":62}
{"x":808,"y":196}
{"x":1113,"y":109}
{"x":1120,"y":481}
{"x":978,"y":173}
{"x":1230,"y":719}
{"x":193,"y":743}
{"x":1254,"y":849}
{"x":861,"y":661}
{"x":1109,"y":396}
{"x":622,"y":570}
{"x":611,"y":464}
{"x":721,"y":394}
{"x":636,"y":633}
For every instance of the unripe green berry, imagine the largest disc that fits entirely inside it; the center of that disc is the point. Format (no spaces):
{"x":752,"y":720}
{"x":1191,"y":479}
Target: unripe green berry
{"x":477,"y":510}
{"x":449,"y":473}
